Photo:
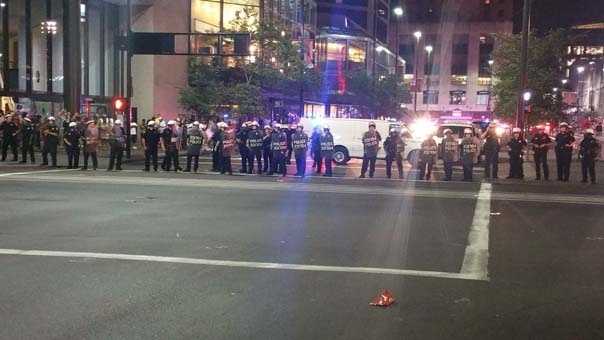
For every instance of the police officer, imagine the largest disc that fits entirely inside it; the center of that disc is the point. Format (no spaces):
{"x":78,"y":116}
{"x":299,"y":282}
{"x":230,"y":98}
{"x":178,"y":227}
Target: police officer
{"x":394,"y":147}
{"x":541,"y":142}
{"x":589,"y":150}
{"x":267,"y":154}
{"x":71,"y":138}
{"x":50,"y":137}
{"x":300,"y":146}
{"x":194,"y":142}
{"x":289,"y":131}
{"x":427,"y":157}
{"x":491,"y":152}
{"x":315,"y":149}
{"x":564,"y":152}
{"x":516,"y":147}
{"x":170,"y":145}
{"x":450,"y":153}
{"x":214,"y":142}
{"x":27,"y":140}
{"x":242,"y":145}
{"x":10,"y":130}
{"x":254,"y":145}
{"x":91,"y":143}
{"x":327,"y":146}
{"x":117,"y":144}
{"x":151,"y":140}
{"x":279,"y":148}
{"x":371,"y":143}
{"x":469,"y":154}
{"x":226,"y":146}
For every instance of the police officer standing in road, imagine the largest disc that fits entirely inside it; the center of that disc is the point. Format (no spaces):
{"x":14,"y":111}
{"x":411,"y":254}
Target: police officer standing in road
{"x":491,"y":152}
{"x":242,"y":145}
{"x":254,"y":145}
{"x":315,"y":149}
{"x":371,"y":144}
{"x":589,"y":150}
{"x":394,"y":147}
{"x":541,"y":142}
{"x":91,"y":143}
{"x":10,"y":130}
{"x":279,"y":148}
{"x":71,"y":138}
{"x":327,"y":146}
{"x":469,"y":154}
{"x":194,"y":143}
{"x":427,"y":157}
{"x":267,"y":153}
{"x":27,"y":140}
{"x":50,"y":137}
{"x":516,"y":147}
{"x":226,"y":146}
{"x":117,"y":143}
{"x":151,"y":140}
{"x":214,"y":142}
{"x":450,"y":153}
{"x":564,"y":152}
{"x":300,"y":146}
{"x":170,"y":145}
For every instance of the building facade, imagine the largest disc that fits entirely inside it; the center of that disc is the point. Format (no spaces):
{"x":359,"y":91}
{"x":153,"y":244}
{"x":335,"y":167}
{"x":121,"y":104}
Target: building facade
{"x":59,"y":55}
{"x":447,"y":47}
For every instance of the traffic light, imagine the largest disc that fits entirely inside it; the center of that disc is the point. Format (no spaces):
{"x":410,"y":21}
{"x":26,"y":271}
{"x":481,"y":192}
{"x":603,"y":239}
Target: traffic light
{"x":120,"y":104}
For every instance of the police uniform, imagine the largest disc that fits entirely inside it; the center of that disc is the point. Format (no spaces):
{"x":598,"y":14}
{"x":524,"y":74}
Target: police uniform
{"x":51,"y":143}
{"x":327,"y":151}
{"x":279,"y":149}
{"x":194,"y":142}
{"x":116,"y":151}
{"x":9,"y":139}
{"x":450,"y":154}
{"x":27,"y":142}
{"x":267,"y":154}
{"x":315,"y":150}
{"x":491,"y":152}
{"x":254,"y":145}
{"x":151,"y":138}
{"x":371,"y":142}
{"x":394,"y":147}
{"x":427,"y":158}
{"x":469,"y":154}
{"x":216,"y":137}
{"x":589,"y":149}
{"x":541,"y":143}
{"x":516,"y":151}
{"x":564,"y":154}
{"x":170,"y":141}
{"x":72,"y":146}
{"x":91,"y":136}
{"x":300,"y":146}
{"x":226,"y":145}
{"x":243,"y":149}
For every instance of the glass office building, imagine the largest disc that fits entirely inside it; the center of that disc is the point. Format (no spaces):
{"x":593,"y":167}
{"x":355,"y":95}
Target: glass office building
{"x":60,"y":54}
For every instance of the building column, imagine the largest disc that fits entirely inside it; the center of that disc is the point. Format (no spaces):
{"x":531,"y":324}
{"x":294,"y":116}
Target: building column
{"x":71,"y":56}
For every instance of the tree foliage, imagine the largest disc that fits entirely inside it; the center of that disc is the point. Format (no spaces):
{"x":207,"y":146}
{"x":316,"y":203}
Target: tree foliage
{"x":544,"y":73}
{"x":382,"y":96}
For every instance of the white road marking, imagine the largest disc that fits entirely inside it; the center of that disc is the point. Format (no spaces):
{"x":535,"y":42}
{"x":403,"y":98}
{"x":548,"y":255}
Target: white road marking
{"x":34,"y":172}
{"x":476,"y":258}
{"x":242,"y":264}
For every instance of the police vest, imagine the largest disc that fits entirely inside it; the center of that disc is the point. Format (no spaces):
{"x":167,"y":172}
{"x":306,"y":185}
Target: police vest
{"x":195,"y":140}
{"x":300,"y":141}
{"x":450,"y":146}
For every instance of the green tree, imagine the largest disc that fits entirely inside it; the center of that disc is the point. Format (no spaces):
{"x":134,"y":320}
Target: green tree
{"x":545,"y":54}
{"x":382,"y":96}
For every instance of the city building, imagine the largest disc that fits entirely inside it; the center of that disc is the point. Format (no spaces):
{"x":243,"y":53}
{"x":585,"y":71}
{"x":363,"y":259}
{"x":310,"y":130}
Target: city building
{"x":447,"y":47}
{"x":583,"y":85}
{"x":58,"y":54}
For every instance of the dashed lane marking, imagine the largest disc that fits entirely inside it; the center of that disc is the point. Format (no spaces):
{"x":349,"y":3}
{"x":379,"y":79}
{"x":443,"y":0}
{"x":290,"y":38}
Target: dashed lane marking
{"x":241,"y":264}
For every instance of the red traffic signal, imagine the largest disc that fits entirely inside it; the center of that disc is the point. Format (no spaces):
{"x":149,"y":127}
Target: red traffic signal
{"x":120,"y":104}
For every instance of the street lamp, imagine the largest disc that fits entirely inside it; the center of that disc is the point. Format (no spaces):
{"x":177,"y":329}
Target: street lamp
{"x":429,"y":49}
{"x":491,"y":62}
{"x":418,"y":36}
{"x":527,"y":96}
{"x":555,"y":89}
{"x":398,"y":13}
{"x":564,"y":81}
{"x":581,"y":69}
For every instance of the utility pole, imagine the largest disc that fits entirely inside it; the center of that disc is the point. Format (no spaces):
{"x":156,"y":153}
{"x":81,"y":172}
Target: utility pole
{"x":526,"y":17}
{"x":302,"y":55}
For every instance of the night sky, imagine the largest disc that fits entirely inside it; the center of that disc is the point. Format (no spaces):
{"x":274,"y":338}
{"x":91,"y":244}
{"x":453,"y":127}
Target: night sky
{"x":551,"y":14}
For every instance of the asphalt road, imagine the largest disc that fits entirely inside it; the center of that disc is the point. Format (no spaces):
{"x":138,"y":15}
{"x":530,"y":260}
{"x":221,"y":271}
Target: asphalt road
{"x":132,"y":255}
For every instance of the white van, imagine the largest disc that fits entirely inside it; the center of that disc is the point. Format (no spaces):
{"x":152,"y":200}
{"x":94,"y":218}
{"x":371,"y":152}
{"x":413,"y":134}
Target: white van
{"x":348,"y":133}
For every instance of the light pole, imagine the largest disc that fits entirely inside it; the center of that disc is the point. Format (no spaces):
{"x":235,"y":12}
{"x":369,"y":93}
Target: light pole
{"x":398,"y":13}
{"x":580,"y":70}
{"x":491,"y":62}
{"x":526,"y":16}
{"x":418,"y":36}
{"x":526,"y":98}
{"x":428,"y":50}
